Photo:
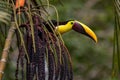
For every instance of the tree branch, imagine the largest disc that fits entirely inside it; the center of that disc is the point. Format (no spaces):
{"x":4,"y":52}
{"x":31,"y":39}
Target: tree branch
{"x":6,"y":49}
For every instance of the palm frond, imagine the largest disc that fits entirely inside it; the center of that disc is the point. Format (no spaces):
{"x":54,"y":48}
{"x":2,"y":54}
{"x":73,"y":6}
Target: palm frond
{"x":5,"y":12}
{"x":116,"y":49}
{"x":5,"y":19}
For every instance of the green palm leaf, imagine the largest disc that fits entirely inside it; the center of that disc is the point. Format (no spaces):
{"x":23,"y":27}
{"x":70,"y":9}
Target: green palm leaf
{"x":116,"y":49}
{"x":5,"y":12}
{"x":5,"y":19}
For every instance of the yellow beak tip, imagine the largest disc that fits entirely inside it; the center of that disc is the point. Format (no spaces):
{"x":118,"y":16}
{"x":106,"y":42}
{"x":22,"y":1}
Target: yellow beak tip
{"x":96,"y":41}
{"x":89,"y":32}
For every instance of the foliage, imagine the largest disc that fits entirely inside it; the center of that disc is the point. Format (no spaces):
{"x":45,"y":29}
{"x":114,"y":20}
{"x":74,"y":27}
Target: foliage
{"x":116,"y":49}
{"x":5,"y":17}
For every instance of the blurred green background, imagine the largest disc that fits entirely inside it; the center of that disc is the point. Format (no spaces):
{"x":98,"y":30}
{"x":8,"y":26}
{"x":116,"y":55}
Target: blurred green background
{"x":91,"y":61}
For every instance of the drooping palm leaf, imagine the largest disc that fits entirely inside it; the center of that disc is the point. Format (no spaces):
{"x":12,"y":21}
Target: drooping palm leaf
{"x":5,"y":19}
{"x":5,"y":12}
{"x":116,"y":49}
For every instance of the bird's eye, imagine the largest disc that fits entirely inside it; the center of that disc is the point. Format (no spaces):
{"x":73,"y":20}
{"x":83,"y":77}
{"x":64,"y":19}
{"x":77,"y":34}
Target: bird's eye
{"x":71,"y":22}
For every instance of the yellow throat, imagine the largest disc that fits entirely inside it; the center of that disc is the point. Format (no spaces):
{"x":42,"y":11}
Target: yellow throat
{"x":64,"y":28}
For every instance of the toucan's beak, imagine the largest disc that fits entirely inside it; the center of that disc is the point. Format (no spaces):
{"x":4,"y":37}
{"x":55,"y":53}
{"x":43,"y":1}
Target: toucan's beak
{"x":83,"y":29}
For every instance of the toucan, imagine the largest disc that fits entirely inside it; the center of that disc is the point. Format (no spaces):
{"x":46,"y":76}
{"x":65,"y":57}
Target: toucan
{"x":65,"y":26}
